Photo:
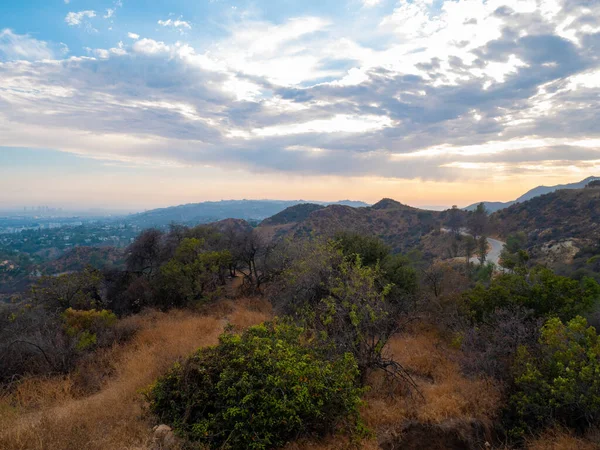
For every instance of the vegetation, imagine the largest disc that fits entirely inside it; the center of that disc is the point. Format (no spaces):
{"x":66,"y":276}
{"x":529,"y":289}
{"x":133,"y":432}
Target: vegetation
{"x":539,"y":290}
{"x":426,"y":348}
{"x":560,"y":383}
{"x":258,"y":390}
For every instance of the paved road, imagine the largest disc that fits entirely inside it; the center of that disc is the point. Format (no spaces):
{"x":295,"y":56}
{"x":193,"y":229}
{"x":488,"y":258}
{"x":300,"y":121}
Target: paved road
{"x":494,"y":252}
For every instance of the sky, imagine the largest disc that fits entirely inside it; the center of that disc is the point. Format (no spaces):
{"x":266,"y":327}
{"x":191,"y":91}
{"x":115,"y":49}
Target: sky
{"x":133,"y":104}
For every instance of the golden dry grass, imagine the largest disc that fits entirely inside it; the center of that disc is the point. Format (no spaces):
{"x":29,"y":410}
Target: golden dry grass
{"x":47,"y":414}
{"x":446,"y":393}
{"x":563,"y":440}
{"x":57,"y":414}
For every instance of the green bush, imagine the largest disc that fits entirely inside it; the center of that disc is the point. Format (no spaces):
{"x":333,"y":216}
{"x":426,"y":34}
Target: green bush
{"x":560,"y":383}
{"x":258,"y":390}
{"x":86,"y":325}
{"x":543,"y":292}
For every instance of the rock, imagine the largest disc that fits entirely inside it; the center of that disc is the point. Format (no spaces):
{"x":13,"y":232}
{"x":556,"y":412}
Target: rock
{"x":164,"y":438}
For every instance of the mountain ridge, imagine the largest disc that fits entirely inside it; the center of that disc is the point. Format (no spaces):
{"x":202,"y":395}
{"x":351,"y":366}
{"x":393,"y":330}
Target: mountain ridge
{"x":532,"y":193}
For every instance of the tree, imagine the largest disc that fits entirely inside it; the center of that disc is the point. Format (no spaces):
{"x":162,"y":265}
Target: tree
{"x":79,"y":290}
{"x":371,"y":249}
{"x":144,"y":255}
{"x":478,"y":221}
{"x":559,"y":383}
{"x":540,"y":291}
{"x":258,"y":260}
{"x":455,"y":221}
{"x":469,"y":246}
{"x":482,"y":248}
{"x":193,"y":274}
{"x":344,"y":301}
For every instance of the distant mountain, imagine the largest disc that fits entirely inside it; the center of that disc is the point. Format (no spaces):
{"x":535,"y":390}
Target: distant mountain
{"x":293,"y":214}
{"x":400,"y":226}
{"x":207,"y":212}
{"x":559,"y":215}
{"x":535,"y":192}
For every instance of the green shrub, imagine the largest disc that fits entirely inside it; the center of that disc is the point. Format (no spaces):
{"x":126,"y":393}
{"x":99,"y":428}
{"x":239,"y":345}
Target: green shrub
{"x":86,"y":325}
{"x":543,"y":292}
{"x":258,"y":390}
{"x":561,"y":383}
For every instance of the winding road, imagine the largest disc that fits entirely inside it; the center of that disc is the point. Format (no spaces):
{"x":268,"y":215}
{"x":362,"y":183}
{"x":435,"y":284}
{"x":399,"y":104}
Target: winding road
{"x":493,"y":254}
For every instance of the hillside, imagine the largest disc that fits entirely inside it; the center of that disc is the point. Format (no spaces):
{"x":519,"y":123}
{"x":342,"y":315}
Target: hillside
{"x":560,"y":215}
{"x":206,"y":212}
{"x":533,"y":193}
{"x":400,"y":226}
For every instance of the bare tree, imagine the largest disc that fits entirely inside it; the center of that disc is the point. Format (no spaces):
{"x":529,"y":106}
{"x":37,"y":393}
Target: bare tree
{"x":144,"y":254}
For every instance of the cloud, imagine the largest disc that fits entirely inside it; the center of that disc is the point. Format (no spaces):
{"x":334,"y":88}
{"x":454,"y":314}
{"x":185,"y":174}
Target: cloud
{"x":445,"y":92}
{"x":371,"y":3}
{"x":177,"y":23}
{"x":150,"y":47}
{"x":77,"y":18}
{"x":109,"y":13}
{"x":22,"y":46}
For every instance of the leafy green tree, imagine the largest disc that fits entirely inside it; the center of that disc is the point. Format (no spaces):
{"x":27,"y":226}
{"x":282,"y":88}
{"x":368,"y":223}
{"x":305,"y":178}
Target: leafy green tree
{"x":346,"y":302}
{"x":193,"y":274}
{"x":561,"y":382}
{"x":455,"y":221}
{"x":259,"y":390}
{"x":398,"y":271}
{"x":79,"y":290}
{"x":540,"y":290}
{"x":469,"y":246}
{"x":478,"y":221}
{"x":371,"y":249}
{"x":482,"y":248}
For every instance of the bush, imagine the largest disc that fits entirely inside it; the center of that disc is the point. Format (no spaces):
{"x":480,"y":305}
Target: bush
{"x":561,"y":382}
{"x":540,"y":290}
{"x":85,"y":326}
{"x":258,"y":390}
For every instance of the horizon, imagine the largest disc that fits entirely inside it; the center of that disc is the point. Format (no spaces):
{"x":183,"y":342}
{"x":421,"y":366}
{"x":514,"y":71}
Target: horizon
{"x":107,"y":210}
{"x":127,"y":106}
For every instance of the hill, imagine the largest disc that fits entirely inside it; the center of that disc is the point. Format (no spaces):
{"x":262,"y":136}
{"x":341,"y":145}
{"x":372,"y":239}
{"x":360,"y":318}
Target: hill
{"x":400,"y":226}
{"x":562,"y":214}
{"x":207,"y":212}
{"x":292,"y":214}
{"x":533,"y":193}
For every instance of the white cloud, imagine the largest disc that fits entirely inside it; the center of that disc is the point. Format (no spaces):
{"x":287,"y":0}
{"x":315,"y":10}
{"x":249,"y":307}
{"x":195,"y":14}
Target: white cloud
{"x":109,"y":13}
{"x":77,"y":18}
{"x":133,"y":36}
{"x":340,"y":123}
{"x":22,"y":46}
{"x":371,"y":3}
{"x":177,"y":23}
{"x":150,"y":47}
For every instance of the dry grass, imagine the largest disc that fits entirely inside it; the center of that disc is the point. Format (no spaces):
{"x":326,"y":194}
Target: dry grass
{"x":446,"y":393}
{"x":49,"y":414}
{"x":448,"y":396}
{"x":59,"y":414}
{"x":563,"y":440}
